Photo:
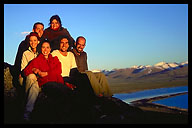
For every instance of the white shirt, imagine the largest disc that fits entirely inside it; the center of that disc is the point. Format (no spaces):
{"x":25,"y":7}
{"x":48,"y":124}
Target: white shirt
{"x":28,"y":55}
{"x":67,"y":62}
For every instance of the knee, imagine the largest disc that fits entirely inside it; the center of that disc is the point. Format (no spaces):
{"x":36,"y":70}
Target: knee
{"x":100,"y":75}
{"x":21,"y":81}
{"x":35,"y":87}
{"x":31,"y":77}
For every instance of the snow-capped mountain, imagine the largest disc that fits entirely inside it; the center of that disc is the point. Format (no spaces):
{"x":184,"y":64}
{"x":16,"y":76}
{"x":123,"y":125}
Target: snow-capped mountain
{"x":165,"y":65}
{"x":142,"y":70}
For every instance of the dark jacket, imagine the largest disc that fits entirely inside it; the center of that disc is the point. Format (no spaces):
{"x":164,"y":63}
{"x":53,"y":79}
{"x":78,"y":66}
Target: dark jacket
{"x":53,"y":35}
{"x":23,"y":46}
{"x":81,"y":60}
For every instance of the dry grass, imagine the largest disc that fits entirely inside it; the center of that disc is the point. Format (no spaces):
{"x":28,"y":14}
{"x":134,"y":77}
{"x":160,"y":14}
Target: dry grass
{"x":128,"y":87}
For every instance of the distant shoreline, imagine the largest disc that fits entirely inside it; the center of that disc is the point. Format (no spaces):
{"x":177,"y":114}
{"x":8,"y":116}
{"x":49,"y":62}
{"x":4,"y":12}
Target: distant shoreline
{"x":119,"y":88}
{"x":147,"y":105}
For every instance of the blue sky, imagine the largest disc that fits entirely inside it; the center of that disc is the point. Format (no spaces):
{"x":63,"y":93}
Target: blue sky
{"x":118,"y":35}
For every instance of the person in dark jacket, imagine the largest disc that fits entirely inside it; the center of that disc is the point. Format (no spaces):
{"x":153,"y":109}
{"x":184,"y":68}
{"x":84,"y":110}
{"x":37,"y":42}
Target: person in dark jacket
{"x":98,"y":80}
{"x":55,"y":30}
{"x":38,"y":27}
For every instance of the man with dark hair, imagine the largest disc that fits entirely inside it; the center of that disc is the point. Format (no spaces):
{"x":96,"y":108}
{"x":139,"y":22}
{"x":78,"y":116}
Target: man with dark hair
{"x":98,"y":80}
{"x":24,"y":45}
{"x":83,"y":96}
{"x":70,"y":73}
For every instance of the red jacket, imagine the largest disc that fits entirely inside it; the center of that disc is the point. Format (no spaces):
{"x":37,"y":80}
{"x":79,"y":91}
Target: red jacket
{"x":52,"y":66}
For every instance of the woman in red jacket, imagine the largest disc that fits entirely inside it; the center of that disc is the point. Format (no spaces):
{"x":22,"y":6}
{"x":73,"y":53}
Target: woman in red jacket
{"x":46,"y":67}
{"x":43,"y":69}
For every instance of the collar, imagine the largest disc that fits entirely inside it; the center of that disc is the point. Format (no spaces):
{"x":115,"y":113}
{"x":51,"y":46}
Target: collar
{"x":32,"y":51}
{"x":76,"y":53}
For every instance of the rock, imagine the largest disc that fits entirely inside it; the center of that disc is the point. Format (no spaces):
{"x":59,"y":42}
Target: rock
{"x":59,"y":107}
{"x":62,"y":107}
{"x":8,"y":85}
{"x":102,"y":110}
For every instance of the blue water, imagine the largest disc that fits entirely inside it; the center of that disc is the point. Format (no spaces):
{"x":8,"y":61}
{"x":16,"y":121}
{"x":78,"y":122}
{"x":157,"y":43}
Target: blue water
{"x":180,"y":101}
{"x":129,"y":97}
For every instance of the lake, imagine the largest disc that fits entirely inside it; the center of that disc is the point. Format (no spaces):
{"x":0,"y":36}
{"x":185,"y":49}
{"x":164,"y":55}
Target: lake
{"x":129,"y":97}
{"x":180,"y":101}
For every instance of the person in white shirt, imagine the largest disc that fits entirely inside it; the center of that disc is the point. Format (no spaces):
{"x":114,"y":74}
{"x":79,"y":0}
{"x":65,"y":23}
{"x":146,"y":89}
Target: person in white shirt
{"x":70,"y":72}
{"x":68,"y":60}
{"x":30,"y":53}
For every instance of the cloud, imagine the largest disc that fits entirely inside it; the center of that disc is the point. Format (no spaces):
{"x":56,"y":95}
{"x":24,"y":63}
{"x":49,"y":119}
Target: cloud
{"x":24,"y":33}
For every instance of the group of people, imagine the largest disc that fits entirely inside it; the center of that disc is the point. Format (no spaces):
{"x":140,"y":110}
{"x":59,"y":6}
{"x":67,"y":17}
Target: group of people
{"x":52,"y":55}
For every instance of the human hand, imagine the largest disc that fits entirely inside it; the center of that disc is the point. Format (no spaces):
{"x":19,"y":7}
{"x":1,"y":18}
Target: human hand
{"x":43,"y":74}
{"x":35,"y":70}
{"x":70,"y":85}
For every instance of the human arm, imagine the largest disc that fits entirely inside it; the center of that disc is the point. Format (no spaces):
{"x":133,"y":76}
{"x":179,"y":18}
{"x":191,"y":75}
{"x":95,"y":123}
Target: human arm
{"x":22,"y":47}
{"x":39,"y":72}
{"x":55,"y":68}
{"x":24,"y":61}
{"x":86,"y":65}
{"x":30,"y":68}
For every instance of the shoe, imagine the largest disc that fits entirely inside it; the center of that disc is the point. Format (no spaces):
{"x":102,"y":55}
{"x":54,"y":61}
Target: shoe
{"x":27,"y":116}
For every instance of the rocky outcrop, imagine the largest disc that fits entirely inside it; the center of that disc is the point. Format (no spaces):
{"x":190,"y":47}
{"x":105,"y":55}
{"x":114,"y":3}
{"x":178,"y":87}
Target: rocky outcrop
{"x":55,"y":109}
{"x":59,"y":108}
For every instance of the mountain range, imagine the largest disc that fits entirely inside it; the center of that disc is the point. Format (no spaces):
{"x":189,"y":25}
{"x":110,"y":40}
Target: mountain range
{"x":170,"y":69}
{"x":137,"y":78}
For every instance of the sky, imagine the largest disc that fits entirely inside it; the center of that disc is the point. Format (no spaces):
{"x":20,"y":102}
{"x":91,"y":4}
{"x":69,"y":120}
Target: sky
{"x":117,"y":35}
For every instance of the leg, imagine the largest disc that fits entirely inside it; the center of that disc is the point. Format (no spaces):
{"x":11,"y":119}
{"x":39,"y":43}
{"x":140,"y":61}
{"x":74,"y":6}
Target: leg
{"x":95,"y":83}
{"x":32,"y":90}
{"x":101,"y":78}
{"x":20,"y":80}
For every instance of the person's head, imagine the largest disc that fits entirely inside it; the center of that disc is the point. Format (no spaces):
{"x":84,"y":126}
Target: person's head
{"x":64,"y":43}
{"x":80,"y":43}
{"x":38,"y":27}
{"x":33,"y":40}
{"x":45,"y":48}
{"x":55,"y":22}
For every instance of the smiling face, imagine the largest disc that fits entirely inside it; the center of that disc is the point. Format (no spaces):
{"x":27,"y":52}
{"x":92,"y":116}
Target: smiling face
{"x":64,"y":45}
{"x":80,"y":45}
{"x":39,"y":29}
{"x":45,"y":49}
{"x":33,"y":41}
{"x":55,"y":24}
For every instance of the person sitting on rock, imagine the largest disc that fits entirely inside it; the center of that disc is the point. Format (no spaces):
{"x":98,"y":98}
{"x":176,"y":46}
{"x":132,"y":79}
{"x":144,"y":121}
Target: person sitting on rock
{"x":70,"y":73}
{"x":38,"y":27}
{"x":98,"y":80}
{"x":41,"y":70}
{"x":30,"y":53}
{"x":84,"y":96}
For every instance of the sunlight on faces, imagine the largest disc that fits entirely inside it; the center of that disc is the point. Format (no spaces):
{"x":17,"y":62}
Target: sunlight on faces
{"x":55,"y":24}
{"x":33,"y":41}
{"x":39,"y":29}
{"x":80,"y":45}
{"x":64,"y":44}
{"x":45,"y":49}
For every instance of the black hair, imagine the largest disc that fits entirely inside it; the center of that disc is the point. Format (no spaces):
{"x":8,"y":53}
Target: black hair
{"x":34,"y":34}
{"x":55,"y":17}
{"x":47,"y":41}
{"x":59,"y":41}
{"x":34,"y":26}
{"x":61,"y":37}
{"x":79,"y":38}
